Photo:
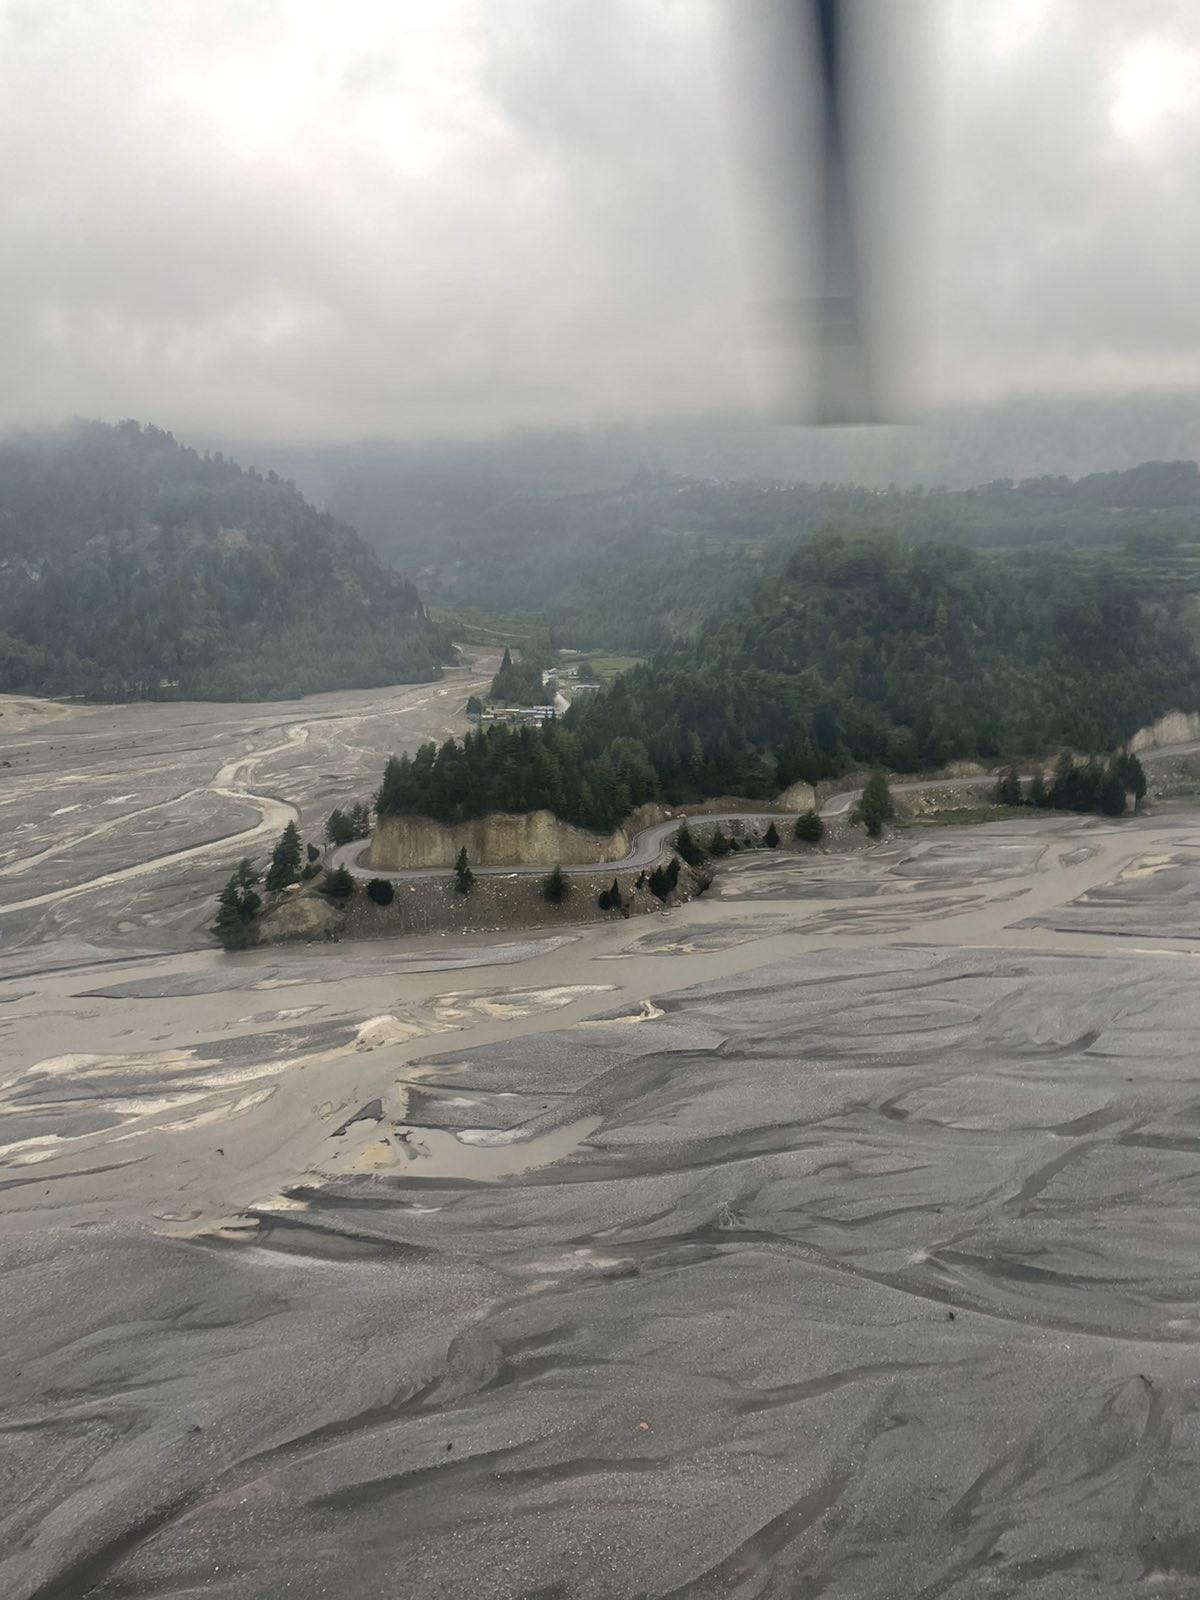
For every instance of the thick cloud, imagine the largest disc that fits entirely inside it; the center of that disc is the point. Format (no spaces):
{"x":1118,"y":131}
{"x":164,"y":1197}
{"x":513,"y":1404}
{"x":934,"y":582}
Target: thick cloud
{"x":290,"y":220}
{"x":1071,"y":213}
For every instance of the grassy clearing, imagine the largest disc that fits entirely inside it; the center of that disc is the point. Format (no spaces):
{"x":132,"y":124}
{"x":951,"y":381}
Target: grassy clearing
{"x":966,"y":816}
{"x":607,"y":668}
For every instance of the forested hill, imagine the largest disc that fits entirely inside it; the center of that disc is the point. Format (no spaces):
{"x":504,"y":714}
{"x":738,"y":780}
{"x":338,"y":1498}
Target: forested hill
{"x":869,"y":650}
{"x":132,"y":566}
{"x":862,"y":651}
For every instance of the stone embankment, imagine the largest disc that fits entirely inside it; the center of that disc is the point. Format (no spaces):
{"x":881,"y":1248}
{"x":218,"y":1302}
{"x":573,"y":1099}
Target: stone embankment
{"x":1176,"y":727}
{"x":433,"y":906}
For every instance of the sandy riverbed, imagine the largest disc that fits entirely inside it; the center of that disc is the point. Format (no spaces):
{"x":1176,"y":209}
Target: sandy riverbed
{"x":836,"y":1230}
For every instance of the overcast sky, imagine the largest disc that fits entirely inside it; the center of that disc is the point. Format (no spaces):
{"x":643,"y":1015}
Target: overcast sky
{"x":299,"y":220}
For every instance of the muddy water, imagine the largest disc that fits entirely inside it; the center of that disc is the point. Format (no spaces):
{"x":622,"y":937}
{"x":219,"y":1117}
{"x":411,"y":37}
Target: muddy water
{"x":483,"y":1155}
{"x":835,"y":1233}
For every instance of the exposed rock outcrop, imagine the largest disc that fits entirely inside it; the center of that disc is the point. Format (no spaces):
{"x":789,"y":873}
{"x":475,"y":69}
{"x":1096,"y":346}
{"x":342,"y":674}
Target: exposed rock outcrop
{"x":532,"y":838}
{"x":798,"y":796}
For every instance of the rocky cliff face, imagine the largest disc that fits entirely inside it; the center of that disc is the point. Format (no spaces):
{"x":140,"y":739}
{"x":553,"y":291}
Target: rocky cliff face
{"x":533,"y":838}
{"x":1177,"y":727}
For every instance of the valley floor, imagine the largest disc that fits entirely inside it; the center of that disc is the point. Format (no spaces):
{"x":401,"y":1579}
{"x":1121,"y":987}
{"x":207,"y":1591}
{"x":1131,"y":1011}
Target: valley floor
{"x":835,"y":1233}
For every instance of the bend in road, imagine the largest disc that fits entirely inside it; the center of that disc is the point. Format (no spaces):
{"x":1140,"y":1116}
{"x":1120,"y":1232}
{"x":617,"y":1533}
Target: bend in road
{"x":644,"y":851}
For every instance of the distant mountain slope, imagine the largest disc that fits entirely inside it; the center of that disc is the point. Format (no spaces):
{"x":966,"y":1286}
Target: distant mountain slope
{"x":133,"y":567}
{"x":608,"y":551}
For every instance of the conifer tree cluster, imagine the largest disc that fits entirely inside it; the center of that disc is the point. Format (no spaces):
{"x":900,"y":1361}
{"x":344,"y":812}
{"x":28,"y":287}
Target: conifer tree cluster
{"x":662,"y":880}
{"x":285,"y":860}
{"x":519,"y":683}
{"x":343,"y":827}
{"x":238,"y":906}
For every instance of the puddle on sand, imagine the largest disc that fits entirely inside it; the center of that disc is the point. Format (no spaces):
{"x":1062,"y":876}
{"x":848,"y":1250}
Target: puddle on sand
{"x":436,"y":1153}
{"x":702,"y":940}
{"x":646,"y":1012}
{"x":513,"y":1004}
{"x":1148,"y":867}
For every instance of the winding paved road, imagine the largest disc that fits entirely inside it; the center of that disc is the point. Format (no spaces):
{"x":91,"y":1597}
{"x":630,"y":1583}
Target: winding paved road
{"x":645,"y":851}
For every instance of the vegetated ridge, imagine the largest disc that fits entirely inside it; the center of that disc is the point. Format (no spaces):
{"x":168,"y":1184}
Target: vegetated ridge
{"x":134,"y":567}
{"x":632,"y":564}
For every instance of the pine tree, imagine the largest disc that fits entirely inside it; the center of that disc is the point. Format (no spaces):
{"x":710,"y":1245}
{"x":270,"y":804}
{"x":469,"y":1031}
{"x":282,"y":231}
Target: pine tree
{"x":380,"y":890}
{"x":237,"y":908}
{"x":771,"y":837}
{"x":809,"y":827}
{"x":689,"y":847}
{"x":1038,"y":795}
{"x":285,"y":860}
{"x":556,"y":886}
{"x":338,"y":884}
{"x":1008,"y":790}
{"x":1062,"y":790}
{"x":1088,"y":779}
{"x":1110,"y":793}
{"x":464,"y":878}
{"x":1132,"y":775}
{"x":339,"y":829}
{"x":875,"y":805}
{"x":1135,"y":780}
{"x":610,"y":899}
